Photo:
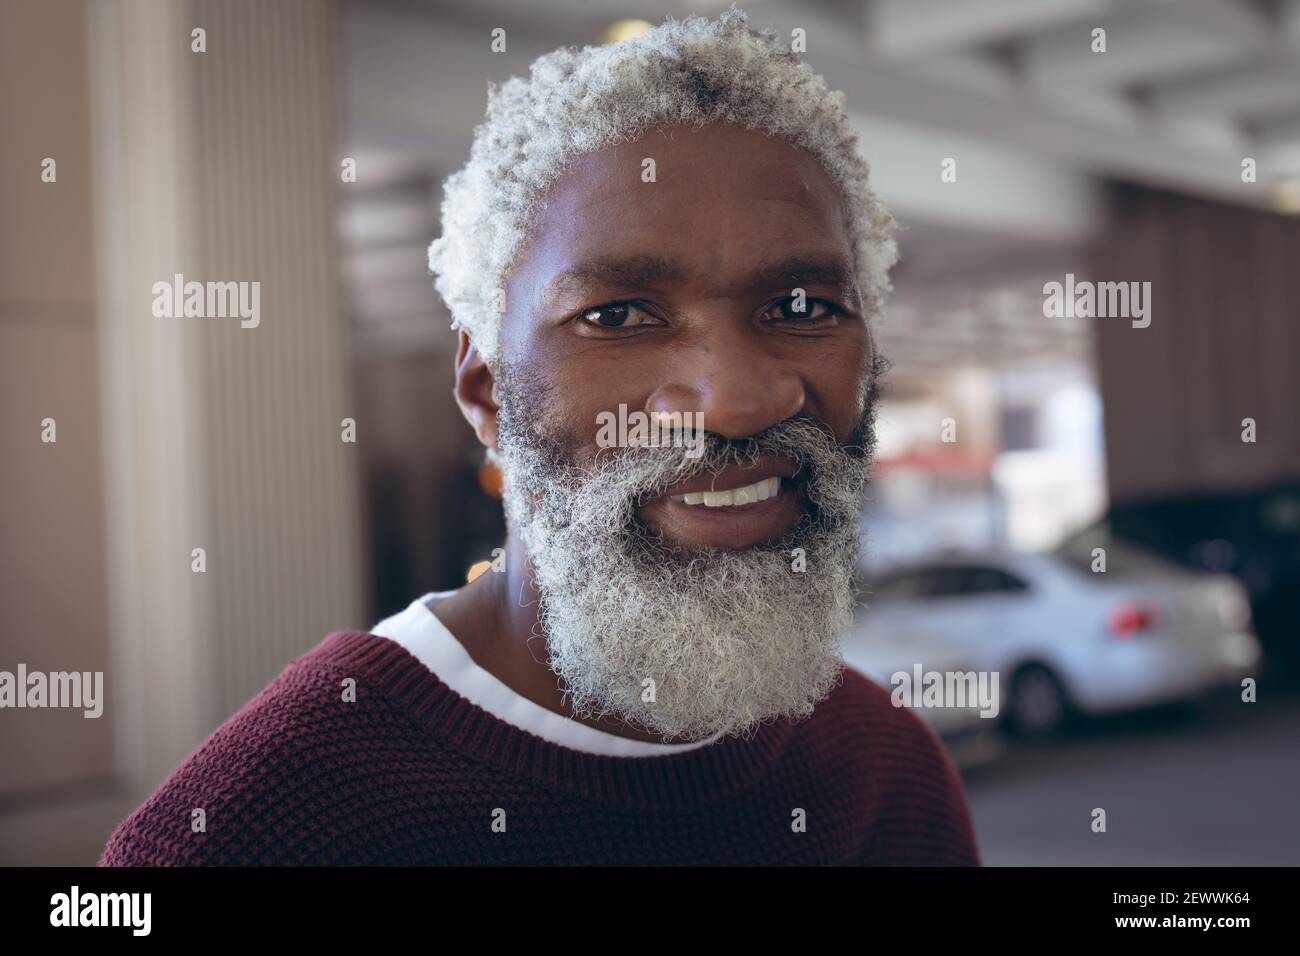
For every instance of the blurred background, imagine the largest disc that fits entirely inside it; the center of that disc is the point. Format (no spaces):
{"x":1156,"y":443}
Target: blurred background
{"x":1012,"y":445}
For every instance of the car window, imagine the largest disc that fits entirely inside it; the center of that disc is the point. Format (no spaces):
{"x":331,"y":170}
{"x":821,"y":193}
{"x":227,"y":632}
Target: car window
{"x":896,"y":587}
{"x":990,"y":581}
{"x":943,"y":582}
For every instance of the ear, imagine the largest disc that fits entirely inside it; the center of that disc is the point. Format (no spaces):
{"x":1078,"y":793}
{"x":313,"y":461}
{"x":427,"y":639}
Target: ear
{"x":476,"y":391}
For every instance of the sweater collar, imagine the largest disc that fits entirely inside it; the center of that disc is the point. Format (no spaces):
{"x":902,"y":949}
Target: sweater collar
{"x":683,"y":779}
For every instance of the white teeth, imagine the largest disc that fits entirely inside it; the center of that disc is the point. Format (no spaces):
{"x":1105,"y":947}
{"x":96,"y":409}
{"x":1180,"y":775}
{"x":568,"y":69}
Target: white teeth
{"x":748,"y":495}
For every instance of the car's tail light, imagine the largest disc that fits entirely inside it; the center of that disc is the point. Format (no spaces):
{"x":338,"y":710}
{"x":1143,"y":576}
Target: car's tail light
{"x":1127,"y":620}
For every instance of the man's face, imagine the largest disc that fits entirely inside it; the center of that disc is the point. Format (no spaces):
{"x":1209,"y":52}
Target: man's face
{"x":723,"y":288}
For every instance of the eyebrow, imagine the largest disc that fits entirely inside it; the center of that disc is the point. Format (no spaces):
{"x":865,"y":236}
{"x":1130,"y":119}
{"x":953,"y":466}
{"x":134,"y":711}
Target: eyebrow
{"x":650,"y":271}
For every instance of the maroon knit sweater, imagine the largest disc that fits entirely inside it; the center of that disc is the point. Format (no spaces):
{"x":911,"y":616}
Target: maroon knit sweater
{"x":412,"y":773}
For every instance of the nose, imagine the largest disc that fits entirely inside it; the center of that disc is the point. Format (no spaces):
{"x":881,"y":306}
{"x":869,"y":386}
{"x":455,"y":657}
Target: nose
{"x":731,"y":377}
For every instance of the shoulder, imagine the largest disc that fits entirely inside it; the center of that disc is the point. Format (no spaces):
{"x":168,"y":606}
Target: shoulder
{"x":909,"y":784}
{"x":242,"y":796}
{"x":863,"y":724}
{"x":862,"y":716}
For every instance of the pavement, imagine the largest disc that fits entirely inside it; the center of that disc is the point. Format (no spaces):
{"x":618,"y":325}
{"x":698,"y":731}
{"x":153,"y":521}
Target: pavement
{"x":1216,"y":783}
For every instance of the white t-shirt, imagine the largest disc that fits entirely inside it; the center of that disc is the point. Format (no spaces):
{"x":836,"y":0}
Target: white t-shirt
{"x":427,"y":640}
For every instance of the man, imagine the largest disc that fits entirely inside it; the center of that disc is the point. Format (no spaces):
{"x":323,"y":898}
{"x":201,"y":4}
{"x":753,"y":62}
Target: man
{"x":678,"y":231}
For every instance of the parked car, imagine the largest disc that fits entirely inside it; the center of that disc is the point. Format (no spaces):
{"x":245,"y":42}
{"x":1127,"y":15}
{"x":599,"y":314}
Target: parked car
{"x":1252,"y":534}
{"x":1065,"y":637}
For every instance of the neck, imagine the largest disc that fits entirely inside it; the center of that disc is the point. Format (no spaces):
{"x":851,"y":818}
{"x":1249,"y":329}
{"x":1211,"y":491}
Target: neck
{"x":496,"y":618}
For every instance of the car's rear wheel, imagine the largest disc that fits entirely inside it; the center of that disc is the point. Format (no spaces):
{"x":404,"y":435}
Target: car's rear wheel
{"x":1038,"y":706}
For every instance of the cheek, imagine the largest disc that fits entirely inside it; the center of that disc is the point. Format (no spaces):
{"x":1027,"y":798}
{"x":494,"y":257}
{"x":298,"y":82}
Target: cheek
{"x":833,"y":379}
{"x":572,"y":383}
{"x":571,"y":419}
{"x":590,"y":381}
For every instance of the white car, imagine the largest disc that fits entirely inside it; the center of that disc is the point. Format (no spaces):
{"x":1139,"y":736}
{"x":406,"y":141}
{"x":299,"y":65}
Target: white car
{"x":1064,"y":636}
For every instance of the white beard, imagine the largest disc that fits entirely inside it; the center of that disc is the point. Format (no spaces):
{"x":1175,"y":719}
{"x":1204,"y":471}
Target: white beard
{"x":687,"y":645}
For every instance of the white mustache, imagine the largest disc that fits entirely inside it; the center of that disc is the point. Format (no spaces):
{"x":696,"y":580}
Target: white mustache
{"x":642,"y":474}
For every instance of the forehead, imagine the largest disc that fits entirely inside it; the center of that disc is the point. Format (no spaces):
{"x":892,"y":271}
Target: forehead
{"x":718,"y":198}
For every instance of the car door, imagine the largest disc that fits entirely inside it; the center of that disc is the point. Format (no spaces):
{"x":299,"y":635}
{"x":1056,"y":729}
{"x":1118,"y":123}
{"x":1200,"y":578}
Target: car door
{"x":894,"y":630}
{"x":985,"y":612}
{"x":914,"y":611}
{"x":968,"y":607}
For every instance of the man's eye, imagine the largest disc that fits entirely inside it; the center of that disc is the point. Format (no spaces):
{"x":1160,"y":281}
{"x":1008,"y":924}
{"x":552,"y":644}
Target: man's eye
{"x":617,"y":315}
{"x":796,"y":310}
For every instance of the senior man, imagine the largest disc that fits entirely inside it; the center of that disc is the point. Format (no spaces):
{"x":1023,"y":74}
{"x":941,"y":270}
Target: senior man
{"x":680,"y":225}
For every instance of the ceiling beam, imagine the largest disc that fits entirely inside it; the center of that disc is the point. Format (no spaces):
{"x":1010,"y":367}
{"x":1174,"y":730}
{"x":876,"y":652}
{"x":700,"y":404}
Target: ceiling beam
{"x":900,"y":29}
{"x":1144,"y":42}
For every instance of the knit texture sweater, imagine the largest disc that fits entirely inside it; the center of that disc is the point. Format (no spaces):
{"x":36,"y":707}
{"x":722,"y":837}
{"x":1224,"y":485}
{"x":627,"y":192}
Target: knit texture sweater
{"x":406,"y":771}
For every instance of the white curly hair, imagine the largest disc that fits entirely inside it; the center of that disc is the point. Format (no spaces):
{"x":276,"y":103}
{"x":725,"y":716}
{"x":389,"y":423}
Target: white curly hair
{"x":695,"y":71}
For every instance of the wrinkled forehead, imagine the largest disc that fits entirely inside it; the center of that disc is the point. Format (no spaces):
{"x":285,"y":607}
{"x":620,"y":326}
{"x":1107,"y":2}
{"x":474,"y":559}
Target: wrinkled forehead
{"x":715,"y":204}
{"x":703,"y":159}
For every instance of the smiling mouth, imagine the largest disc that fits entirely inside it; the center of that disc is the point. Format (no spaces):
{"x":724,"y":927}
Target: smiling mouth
{"x":699,"y":514}
{"x":735,"y":497}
